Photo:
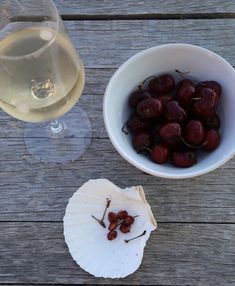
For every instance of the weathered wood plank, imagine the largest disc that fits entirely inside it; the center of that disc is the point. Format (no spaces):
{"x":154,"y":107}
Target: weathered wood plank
{"x":107,"y":44}
{"x":177,"y":254}
{"x":33,"y":191}
{"x":132,"y":7}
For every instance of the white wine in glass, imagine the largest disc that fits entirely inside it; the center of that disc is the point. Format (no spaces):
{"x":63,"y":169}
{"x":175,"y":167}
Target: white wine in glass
{"x":41,"y":79}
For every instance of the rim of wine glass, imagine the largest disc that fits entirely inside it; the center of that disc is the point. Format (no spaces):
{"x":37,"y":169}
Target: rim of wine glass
{"x":46,"y":45}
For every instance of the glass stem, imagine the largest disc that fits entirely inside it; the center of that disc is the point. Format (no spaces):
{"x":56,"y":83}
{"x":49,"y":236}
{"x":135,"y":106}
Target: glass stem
{"x":57,"y":128}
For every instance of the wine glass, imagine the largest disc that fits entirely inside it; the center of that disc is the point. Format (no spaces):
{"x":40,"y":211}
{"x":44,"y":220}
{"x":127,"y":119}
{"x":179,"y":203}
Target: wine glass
{"x":41,"y":79}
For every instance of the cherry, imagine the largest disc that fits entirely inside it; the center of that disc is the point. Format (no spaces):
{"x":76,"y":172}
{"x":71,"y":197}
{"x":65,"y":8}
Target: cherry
{"x":194,"y":132}
{"x":162,"y":85}
{"x":212,"y":140}
{"x":122,"y":214}
{"x":160,"y":153}
{"x":213,"y":121}
{"x":141,"y":141}
{"x":170,"y":120}
{"x":164,"y":99}
{"x":113,"y":225}
{"x":174,"y":112}
{"x":125,"y":228}
{"x":184,"y":159}
{"x":129,"y":220}
{"x":112,"y":217}
{"x":185,"y":92}
{"x":170,"y":133}
{"x":136,"y":124}
{"x":137,"y":96}
{"x":206,"y":103}
{"x":150,"y":108}
{"x":213,"y":85}
{"x":112,"y":235}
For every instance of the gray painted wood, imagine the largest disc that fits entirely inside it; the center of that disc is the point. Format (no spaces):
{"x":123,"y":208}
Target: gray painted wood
{"x":176,"y":254}
{"x":107,"y":44}
{"x":33,"y":191}
{"x":195,"y":242}
{"x":133,"y":7}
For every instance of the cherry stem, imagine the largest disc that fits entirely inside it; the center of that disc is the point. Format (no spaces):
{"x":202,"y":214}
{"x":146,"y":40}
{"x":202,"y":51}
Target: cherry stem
{"x":181,"y":73}
{"x":195,"y":98}
{"x":122,"y":222}
{"x":107,"y":206}
{"x":148,"y":149}
{"x":151,"y":76}
{"x":127,"y":240}
{"x":144,"y":148}
{"x":191,"y":146}
{"x":125,"y":131}
{"x":101,"y":221}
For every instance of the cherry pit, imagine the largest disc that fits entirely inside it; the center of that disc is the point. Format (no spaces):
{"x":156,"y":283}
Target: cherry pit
{"x":172,"y":122}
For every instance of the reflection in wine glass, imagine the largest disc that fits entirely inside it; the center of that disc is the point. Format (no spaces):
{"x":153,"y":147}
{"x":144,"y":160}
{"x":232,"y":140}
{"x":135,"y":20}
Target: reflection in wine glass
{"x":41,"y":79}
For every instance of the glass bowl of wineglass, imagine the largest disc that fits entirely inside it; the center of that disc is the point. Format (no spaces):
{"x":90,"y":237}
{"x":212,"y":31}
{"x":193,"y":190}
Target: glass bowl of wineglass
{"x":41,"y":78}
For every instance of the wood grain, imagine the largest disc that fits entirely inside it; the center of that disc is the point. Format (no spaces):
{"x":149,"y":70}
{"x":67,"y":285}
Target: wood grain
{"x":133,"y":7}
{"x":33,"y":191}
{"x":107,"y":44}
{"x":176,"y":254}
{"x":195,"y":243}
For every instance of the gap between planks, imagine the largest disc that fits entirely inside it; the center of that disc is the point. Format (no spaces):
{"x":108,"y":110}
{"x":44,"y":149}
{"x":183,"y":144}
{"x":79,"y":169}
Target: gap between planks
{"x":158,"y":222}
{"x":155,"y":16}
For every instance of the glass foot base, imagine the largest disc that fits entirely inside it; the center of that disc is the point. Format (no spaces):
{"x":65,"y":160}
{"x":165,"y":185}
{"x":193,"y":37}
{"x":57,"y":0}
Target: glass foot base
{"x":67,"y":145}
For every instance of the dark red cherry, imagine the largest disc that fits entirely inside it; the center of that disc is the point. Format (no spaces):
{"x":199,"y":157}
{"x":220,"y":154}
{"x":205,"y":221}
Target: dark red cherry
{"x":125,"y":228}
{"x":164,"y":99}
{"x":206,"y":102}
{"x":141,"y":141}
{"x":213,"y":85}
{"x":184,"y":159}
{"x":162,"y":85}
{"x":136,"y":124}
{"x":174,"y":112}
{"x":113,"y":225}
{"x":129,"y":220}
{"x":137,"y":96}
{"x":112,"y":216}
{"x":150,"y":108}
{"x":213,"y":121}
{"x":112,"y":235}
{"x":122,"y":214}
{"x":185,"y":92}
{"x":160,"y":153}
{"x":194,"y":132}
{"x":212,"y":140}
{"x":170,"y":133}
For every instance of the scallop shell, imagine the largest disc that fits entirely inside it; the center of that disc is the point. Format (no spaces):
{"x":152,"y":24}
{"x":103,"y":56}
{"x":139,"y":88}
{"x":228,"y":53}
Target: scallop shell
{"x":87,"y":239}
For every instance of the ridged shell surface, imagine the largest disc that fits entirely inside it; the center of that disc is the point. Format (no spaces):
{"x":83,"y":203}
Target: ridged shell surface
{"x":87,"y":239}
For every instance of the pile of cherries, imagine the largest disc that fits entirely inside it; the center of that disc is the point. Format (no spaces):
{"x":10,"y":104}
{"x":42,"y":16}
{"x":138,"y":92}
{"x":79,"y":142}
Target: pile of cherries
{"x":122,"y":219}
{"x":172,"y":122}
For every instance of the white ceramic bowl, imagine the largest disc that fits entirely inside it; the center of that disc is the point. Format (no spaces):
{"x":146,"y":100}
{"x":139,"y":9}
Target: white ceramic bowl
{"x":203,"y":65}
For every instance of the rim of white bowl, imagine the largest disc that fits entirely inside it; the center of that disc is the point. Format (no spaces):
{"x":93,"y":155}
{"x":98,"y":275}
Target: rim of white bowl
{"x":117,"y":146}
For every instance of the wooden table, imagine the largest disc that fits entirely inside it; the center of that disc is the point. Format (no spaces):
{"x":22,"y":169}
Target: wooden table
{"x":195,"y":242}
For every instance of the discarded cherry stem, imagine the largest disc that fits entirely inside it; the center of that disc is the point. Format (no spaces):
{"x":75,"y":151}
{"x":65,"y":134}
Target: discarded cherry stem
{"x":107,"y":206}
{"x":127,"y":240}
{"x":99,"y":221}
